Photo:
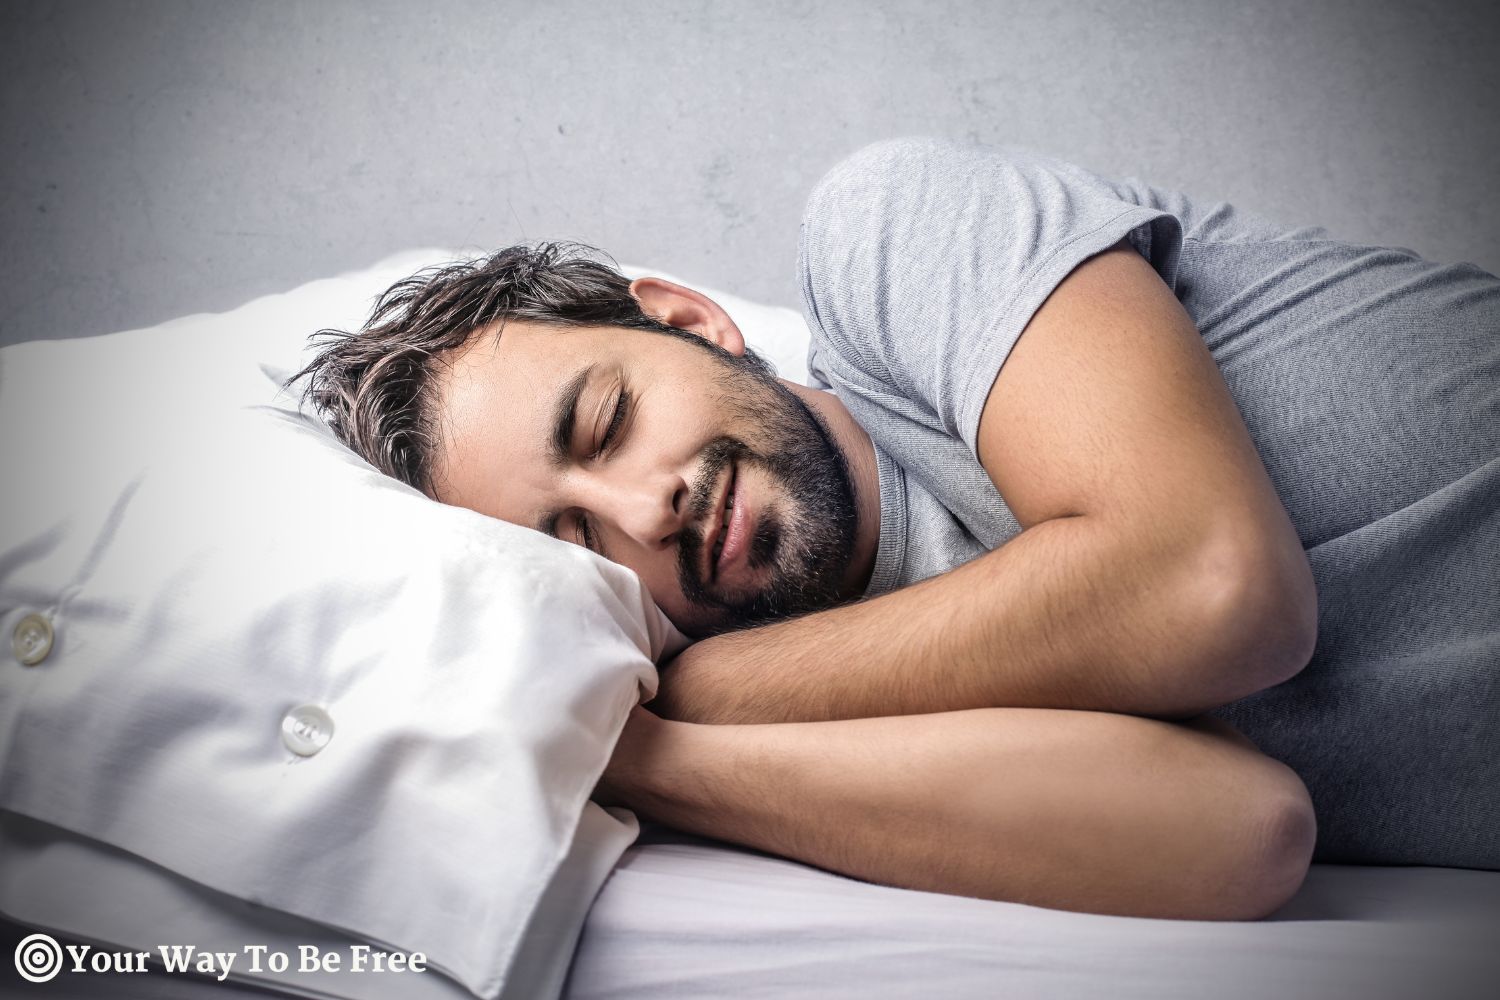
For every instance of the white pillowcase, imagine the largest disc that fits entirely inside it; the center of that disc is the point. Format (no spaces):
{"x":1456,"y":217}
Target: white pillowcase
{"x":225,"y":581}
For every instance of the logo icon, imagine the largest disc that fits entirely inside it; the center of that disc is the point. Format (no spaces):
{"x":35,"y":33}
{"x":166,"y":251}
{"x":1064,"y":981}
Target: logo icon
{"x":38,"y":958}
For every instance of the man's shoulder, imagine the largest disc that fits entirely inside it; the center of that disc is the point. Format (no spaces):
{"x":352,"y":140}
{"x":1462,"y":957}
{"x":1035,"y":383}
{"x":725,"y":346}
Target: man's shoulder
{"x":904,"y":165}
{"x":867,"y":257}
{"x":875,"y":163}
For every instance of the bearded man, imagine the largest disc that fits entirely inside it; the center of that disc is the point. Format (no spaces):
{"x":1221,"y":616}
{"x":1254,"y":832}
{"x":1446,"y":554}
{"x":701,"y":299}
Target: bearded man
{"x":1130,"y":553}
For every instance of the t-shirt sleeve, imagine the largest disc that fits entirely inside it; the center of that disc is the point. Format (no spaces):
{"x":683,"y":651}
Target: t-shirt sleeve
{"x":922,"y":260}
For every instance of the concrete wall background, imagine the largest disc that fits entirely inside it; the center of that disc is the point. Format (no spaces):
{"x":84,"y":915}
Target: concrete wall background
{"x":171,"y":157}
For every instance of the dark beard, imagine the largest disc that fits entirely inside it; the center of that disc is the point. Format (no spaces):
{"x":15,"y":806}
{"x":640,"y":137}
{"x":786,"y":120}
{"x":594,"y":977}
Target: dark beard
{"x":807,"y":535}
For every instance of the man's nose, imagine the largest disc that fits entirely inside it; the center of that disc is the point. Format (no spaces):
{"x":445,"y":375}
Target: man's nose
{"x":650,"y":509}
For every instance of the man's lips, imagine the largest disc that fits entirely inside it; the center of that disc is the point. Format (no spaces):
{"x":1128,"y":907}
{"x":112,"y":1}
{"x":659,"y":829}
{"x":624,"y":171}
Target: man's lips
{"x":716,"y":525}
{"x":736,"y":533}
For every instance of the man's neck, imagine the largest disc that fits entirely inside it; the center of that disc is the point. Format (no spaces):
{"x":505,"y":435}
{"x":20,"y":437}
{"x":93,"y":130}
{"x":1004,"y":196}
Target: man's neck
{"x":859,"y":455}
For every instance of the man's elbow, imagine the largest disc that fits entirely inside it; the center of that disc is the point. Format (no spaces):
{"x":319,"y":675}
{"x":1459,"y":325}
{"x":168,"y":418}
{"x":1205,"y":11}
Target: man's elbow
{"x":1257,"y":607}
{"x":1283,"y":843}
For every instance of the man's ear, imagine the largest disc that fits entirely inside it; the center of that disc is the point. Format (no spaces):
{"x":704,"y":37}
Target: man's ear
{"x":680,"y":306}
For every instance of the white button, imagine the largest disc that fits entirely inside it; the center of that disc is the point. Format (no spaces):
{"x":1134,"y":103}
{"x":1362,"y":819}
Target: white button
{"x":32,"y":639}
{"x":306,"y":730}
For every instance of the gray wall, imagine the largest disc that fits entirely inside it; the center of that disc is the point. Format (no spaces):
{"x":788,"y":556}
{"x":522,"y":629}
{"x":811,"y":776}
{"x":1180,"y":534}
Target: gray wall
{"x":172,"y":157}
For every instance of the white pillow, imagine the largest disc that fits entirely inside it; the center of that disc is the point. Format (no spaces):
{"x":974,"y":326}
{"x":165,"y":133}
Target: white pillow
{"x":223,"y":580}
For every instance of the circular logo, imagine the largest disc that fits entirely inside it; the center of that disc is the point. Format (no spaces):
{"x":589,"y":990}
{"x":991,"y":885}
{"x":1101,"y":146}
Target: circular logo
{"x":38,"y":958}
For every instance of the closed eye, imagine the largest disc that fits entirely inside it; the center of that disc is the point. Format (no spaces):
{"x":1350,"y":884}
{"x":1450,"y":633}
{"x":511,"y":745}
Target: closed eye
{"x":587,"y":537}
{"x":582,"y":531}
{"x":616,"y":420}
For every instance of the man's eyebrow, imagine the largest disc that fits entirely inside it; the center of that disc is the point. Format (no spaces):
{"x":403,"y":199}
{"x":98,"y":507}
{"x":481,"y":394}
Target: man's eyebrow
{"x":563,"y":416}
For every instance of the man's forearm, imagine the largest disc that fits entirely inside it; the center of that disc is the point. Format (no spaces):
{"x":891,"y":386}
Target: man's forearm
{"x":1072,"y":613}
{"x":1082,"y":811}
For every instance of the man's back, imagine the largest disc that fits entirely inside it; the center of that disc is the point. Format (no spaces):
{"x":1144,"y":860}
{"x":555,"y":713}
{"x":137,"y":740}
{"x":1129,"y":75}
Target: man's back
{"x":1367,"y":378}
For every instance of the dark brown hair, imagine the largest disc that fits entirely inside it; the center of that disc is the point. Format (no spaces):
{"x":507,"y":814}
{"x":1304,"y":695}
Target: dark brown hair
{"x":374,"y":386}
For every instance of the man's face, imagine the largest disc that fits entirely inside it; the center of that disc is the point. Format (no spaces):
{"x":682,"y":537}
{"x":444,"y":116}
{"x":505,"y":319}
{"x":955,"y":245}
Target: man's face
{"x":691,"y":466}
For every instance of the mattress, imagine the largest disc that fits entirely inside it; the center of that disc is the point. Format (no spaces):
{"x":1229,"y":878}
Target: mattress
{"x":684,"y":916}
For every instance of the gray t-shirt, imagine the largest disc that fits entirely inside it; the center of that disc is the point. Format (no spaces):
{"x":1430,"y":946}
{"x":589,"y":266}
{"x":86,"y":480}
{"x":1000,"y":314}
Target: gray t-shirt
{"x":1369,"y":380}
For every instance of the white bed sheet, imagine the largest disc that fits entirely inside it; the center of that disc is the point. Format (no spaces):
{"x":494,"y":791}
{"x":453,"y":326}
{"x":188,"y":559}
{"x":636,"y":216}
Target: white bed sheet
{"x":687,"y":917}
{"x":683,"y":916}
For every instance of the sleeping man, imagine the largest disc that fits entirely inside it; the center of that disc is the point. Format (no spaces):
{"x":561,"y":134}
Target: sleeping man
{"x":1142,"y":551}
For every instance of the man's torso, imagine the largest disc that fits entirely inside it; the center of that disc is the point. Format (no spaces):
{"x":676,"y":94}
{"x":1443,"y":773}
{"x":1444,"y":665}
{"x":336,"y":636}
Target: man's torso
{"x":1368,"y":378}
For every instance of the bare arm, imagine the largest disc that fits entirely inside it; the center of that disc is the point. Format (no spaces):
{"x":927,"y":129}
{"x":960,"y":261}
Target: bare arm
{"x":1082,"y":811}
{"x":1157,"y":573}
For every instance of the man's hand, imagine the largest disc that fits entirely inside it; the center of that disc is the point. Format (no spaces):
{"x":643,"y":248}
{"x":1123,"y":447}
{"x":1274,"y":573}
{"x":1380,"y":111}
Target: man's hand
{"x":1070,"y":810}
{"x":1157,"y":573}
